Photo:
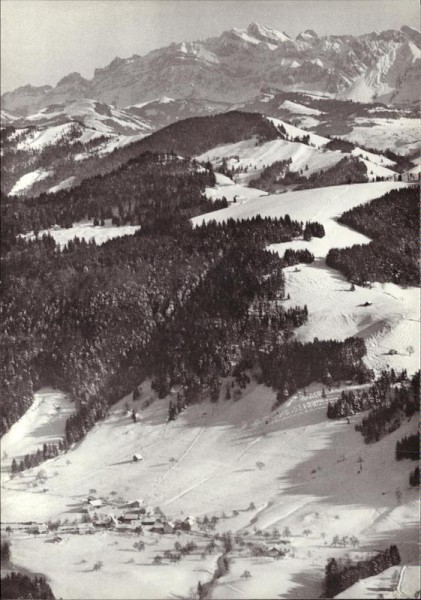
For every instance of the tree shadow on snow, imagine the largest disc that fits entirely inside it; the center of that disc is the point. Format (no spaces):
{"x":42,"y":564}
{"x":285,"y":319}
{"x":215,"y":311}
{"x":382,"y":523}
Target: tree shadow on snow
{"x":307,"y":585}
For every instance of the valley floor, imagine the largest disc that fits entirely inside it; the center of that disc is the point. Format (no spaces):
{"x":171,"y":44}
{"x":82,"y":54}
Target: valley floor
{"x":299,"y":470}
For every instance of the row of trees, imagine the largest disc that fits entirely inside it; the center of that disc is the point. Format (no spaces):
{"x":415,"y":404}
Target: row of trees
{"x":382,"y":391}
{"x":36,"y":458}
{"x":399,"y":404}
{"x":294,"y":257}
{"x":408,"y":447}
{"x":288,"y":367}
{"x":348,"y":170}
{"x":340,"y":574}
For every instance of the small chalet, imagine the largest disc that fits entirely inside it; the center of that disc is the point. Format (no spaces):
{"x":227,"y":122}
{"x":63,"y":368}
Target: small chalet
{"x":135,"y":504}
{"x":189,"y":523}
{"x":137,"y":457}
{"x":95,"y":502}
{"x":85,"y":528}
{"x":146,"y":510}
{"x":163,"y":528}
{"x":129,"y":517}
{"x":277,"y":552}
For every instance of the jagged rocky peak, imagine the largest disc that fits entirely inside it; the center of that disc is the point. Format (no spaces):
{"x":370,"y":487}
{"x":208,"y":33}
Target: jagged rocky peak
{"x":412,"y":34}
{"x":267,"y":34}
{"x":235,"y":66}
{"x":72,"y":79}
{"x":309,"y":35}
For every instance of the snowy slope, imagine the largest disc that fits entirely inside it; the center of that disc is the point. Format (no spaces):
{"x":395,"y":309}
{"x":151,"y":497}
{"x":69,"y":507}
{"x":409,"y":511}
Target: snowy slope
{"x":39,"y":139}
{"x":255,"y":157}
{"x":7,"y":118}
{"x":250,"y":157}
{"x":299,"y":109}
{"x":93,"y":114}
{"x":316,"y":140}
{"x":400,"y":135}
{"x":44,"y":420}
{"x":215,"y":448}
{"x":233,"y":192}
{"x":63,"y":185}
{"x":396,"y":582}
{"x":392,"y":319}
{"x":322,"y":204}
{"x":377,"y":170}
{"x":27,"y":181}
{"x":373,"y":158}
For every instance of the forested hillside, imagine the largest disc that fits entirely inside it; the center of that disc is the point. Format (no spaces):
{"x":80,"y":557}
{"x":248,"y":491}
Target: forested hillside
{"x":348,"y":170}
{"x":83,"y":317}
{"x":189,"y":137}
{"x":183,"y":306}
{"x":392,"y":221}
{"x":145,"y":190}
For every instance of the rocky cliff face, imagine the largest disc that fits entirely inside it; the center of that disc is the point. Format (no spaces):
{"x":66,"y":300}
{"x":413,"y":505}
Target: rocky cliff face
{"x":235,"y":66}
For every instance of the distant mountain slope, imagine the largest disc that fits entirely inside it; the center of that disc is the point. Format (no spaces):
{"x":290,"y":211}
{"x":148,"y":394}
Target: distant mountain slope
{"x":39,"y":147}
{"x":194,"y":136}
{"x":90,"y":113}
{"x":106,"y":153}
{"x":233,"y":67}
{"x":45,"y":158}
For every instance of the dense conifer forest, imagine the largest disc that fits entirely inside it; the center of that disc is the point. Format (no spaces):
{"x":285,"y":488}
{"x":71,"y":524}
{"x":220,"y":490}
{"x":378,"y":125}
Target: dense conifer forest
{"x":183,"y":306}
{"x":23,"y":587}
{"x":341,"y":574}
{"x":186,"y":138}
{"x":414,"y":477}
{"x":82,"y":318}
{"x":347,"y":170}
{"x":276,"y":176}
{"x":390,"y":400}
{"x":408,"y":447}
{"x":144,"y":190}
{"x":392,"y":221}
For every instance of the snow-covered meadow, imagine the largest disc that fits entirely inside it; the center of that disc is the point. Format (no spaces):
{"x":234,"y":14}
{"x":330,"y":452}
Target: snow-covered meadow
{"x":258,"y":471}
{"x":390,"y":322}
{"x":87,"y":232}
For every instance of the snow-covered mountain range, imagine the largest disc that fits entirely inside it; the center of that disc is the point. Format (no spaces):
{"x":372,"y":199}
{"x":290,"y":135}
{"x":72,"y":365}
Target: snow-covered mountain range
{"x":234,"y":67}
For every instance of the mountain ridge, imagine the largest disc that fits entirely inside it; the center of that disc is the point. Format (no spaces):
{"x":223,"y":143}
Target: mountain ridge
{"x":234,"y":66}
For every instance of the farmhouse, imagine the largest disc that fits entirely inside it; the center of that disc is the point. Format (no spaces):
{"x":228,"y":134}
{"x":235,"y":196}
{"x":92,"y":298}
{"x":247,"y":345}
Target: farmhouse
{"x":163,"y":528}
{"x":276,"y":552}
{"x":129,"y":517}
{"x":137,"y":457}
{"x":95,"y":502}
{"x":189,"y":523}
{"x":135,"y":504}
{"x":85,"y":528}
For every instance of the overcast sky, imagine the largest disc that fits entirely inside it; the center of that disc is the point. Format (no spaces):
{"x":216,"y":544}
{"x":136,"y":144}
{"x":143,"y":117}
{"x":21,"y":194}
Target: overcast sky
{"x":43,"y":40}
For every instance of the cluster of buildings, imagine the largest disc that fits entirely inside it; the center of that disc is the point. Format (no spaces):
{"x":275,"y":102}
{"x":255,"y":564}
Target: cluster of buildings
{"x":130,"y":516}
